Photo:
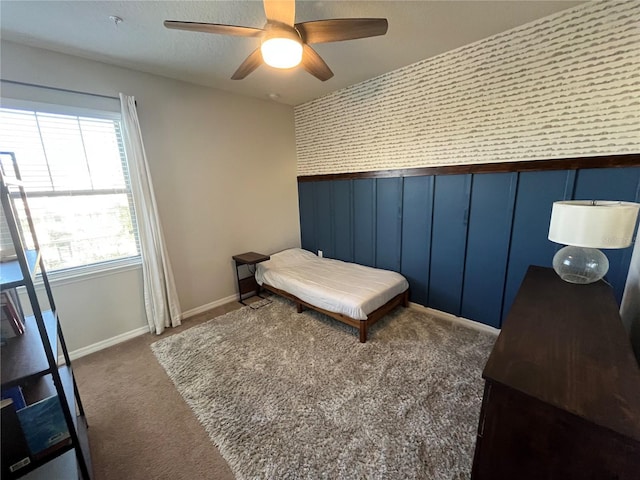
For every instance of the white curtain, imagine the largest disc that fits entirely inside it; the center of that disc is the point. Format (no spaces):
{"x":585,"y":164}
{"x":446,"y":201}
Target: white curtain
{"x":160,"y":296}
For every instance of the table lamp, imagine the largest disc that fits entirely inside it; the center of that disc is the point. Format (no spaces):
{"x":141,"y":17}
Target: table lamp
{"x":585,"y":226}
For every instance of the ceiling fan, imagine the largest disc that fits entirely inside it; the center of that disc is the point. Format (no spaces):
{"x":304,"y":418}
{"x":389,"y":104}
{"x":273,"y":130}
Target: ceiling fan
{"x":285,"y":44}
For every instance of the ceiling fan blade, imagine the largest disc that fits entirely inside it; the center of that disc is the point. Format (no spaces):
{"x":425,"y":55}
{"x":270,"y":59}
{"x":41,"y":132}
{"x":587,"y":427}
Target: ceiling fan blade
{"x":280,"y":11}
{"x":214,"y":28}
{"x":338,"y":29}
{"x":314,"y":64}
{"x":253,"y":61}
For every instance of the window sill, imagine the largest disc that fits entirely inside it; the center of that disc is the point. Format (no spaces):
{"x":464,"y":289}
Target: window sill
{"x":82,"y":274}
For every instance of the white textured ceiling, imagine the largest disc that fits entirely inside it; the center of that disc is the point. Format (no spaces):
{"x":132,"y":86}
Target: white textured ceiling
{"x":417,"y":30}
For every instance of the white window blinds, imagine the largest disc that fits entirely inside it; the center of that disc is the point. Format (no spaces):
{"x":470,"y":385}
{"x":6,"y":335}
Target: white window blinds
{"x":75,"y":174}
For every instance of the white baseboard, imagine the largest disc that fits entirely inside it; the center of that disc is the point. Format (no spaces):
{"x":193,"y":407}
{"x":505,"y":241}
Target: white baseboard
{"x":452,"y":318}
{"x":123,"y":337}
{"x":81,"y":352}
{"x":109,"y":342}
{"x":203,"y":308}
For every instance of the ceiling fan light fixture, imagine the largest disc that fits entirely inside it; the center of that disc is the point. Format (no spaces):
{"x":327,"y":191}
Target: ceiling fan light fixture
{"x":281,"y":52}
{"x":284,"y":43}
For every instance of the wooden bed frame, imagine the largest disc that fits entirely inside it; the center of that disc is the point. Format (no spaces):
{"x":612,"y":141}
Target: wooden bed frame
{"x":361,"y":325}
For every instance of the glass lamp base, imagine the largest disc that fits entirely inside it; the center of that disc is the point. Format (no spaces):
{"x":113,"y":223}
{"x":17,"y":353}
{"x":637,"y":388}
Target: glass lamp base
{"x":580,"y":264}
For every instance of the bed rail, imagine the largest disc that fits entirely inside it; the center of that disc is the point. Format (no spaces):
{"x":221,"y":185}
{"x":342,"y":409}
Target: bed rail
{"x":361,"y":325}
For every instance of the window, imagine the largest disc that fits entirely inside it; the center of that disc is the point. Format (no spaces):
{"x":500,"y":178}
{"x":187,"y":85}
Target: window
{"x":76,"y":179}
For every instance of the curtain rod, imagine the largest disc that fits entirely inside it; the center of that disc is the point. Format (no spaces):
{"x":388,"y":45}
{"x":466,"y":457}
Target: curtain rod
{"x":14,"y":82}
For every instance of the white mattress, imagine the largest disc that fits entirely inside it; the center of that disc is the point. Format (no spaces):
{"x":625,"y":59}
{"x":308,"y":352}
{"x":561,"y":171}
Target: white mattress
{"x":341,"y":287}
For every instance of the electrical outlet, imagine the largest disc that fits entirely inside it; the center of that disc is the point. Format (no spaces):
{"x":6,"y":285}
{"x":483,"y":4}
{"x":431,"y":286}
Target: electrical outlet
{"x":320,"y":253}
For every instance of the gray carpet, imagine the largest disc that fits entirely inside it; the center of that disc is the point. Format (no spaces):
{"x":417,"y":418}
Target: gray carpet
{"x":296,"y":396}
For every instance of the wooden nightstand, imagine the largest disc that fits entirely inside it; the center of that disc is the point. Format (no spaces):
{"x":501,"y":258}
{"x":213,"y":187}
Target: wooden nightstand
{"x":248,"y":284}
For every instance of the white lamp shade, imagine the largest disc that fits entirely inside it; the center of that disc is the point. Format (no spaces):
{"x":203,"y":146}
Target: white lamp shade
{"x":593,"y":224}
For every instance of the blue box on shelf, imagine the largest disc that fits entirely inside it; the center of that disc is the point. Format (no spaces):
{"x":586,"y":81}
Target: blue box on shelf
{"x":43,"y":425}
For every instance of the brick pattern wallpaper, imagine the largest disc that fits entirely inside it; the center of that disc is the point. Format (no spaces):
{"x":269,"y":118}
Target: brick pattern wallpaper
{"x":564,"y":86}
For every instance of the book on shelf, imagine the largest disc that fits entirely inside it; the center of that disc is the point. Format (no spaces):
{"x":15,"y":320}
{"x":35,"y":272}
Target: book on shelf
{"x":15,"y":394}
{"x":11,"y":316}
{"x":15,"y":451}
{"x":15,"y":301}
{"x":10,"y":326}
{"x":7,"y":328}
{"x":44,"y":426}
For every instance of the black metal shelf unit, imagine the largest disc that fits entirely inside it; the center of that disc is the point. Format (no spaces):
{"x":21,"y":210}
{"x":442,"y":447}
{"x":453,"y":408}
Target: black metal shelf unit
{"x":30,"y":360}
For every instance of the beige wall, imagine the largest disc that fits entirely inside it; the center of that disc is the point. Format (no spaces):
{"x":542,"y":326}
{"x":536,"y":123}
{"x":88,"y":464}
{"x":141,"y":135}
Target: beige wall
{"x":224,"y":172}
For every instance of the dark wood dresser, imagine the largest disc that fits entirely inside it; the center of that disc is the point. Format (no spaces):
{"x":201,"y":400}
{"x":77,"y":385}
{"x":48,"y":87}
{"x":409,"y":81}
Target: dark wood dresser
{"x":562,"y":391}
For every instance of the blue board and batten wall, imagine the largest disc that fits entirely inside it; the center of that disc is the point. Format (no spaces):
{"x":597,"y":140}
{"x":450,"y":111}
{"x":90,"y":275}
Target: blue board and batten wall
{"x":463,"y":241}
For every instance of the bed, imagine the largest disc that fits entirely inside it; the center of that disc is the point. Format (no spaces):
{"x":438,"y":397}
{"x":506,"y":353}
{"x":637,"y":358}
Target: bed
{"x":350,"y":293}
